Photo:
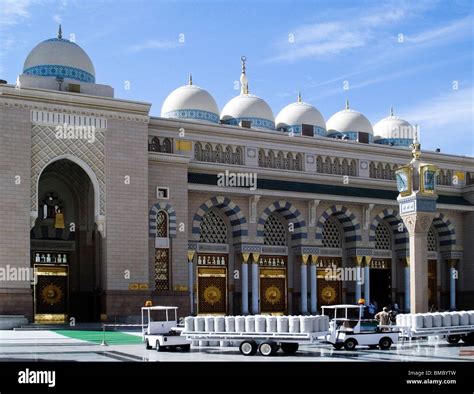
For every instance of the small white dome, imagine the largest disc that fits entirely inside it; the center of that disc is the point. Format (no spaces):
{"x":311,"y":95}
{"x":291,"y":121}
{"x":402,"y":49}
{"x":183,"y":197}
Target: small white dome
{"x":251,"y":108}
{"x":393,"y":130}
{"x":349,"y":120}
{"x":190,"y":102}
{"x":294,"y":115}
{"x":58,"y":57}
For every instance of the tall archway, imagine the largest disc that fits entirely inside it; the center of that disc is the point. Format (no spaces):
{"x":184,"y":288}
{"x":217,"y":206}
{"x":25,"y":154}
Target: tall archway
{"x":65,"y":244}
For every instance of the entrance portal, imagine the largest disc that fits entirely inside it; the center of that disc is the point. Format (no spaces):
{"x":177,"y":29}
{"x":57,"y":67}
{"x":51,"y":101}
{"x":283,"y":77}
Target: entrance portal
{"x":329,"y":287}
{"x":381,"y":282}
{"x":65,"y":246}
{"x":212,"y":284}
{"x":432,"y":284}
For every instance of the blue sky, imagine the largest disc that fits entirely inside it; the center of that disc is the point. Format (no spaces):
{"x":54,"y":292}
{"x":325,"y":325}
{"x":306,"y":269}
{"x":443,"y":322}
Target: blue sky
{"x":414,"y":55}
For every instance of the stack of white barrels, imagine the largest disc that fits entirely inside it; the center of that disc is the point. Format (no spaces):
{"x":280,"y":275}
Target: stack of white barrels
{"x":418,"y":321}
{"x":253,"y":324}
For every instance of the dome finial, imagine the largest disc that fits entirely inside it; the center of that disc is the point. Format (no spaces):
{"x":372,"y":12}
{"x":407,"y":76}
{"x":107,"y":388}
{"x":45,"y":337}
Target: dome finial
{"x":299,"y":96}
{"x":391,"y":111}
{"x":416,"y":146}
{"x":347,"y":103}
{"x":190,"y":79}
{"x":244,"y":85}
{"x":60,"y":32}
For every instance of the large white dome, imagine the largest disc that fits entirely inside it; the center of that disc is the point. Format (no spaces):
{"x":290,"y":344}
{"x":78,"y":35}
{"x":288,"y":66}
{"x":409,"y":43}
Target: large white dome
{"x":393,"y":130}
{"x":58,"y":57}
{"x":294,"y":115}
{"x":350,"y":124}
{"x":190,"y":102}
{"x":251,"y":108}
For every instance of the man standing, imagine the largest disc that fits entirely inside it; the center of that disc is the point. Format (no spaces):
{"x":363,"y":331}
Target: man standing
{"x":383,"y":317}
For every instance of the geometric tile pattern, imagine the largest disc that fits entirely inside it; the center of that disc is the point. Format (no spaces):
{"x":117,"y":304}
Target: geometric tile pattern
{"x":290,"y":213}
{"x":392,"y":218}
{"x":213,"y":229}
{"x":45,"y":147}
{"x":382,"y":237}
{"x":349,"y":223}
{"x":331,"y":234}
{"x":432,"y":244}
{"x":153,"y":219}
{"x":275,"y":231}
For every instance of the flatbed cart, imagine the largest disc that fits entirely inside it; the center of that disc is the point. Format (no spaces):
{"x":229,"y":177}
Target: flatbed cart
{"x":163,"y":334}
{"x":267,"y":344}
{"x":452,"y":334}
{"x":348,"y":329}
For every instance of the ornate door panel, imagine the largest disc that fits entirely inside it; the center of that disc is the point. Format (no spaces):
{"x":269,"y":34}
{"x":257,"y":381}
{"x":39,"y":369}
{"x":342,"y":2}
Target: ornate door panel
{"x":212,"y":290}
{"x":432,"y":284}
{"x":273,"y":295}
{"x":51,"y":296}
{"x":329,"y":291}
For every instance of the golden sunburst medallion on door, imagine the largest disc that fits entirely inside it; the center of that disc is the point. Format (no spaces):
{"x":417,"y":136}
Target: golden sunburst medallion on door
{"x":273,"y":295}
{"x":212,"y":295}
{"x":328,"y":294}
{"x":51,"y":294}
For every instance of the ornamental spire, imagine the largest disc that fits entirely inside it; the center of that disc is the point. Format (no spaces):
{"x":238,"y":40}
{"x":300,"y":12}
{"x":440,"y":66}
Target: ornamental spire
{"x":416,"y":146}
{"x":347,"y":103}
{"x":391,"y":111}
{"x":299,"y":96}
{"x":60,"y":32}
{"x":244,"y":84}
{"x":190,"y":82}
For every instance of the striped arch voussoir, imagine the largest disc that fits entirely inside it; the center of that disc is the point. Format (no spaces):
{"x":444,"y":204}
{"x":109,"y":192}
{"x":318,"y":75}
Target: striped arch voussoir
{"x":152,"y":217}
{"x":348,"y":220}
{"x":445,"y":231}
{"x":392,"y":217}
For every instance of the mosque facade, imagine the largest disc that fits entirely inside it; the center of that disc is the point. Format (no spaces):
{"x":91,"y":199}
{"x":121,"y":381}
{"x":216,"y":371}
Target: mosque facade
{"x":231,"y":211}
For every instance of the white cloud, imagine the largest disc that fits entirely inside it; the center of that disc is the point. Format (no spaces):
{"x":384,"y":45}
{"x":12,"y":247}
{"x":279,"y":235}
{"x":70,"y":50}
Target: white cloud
{"x":57,"y":18}
{"x":153,"y":44}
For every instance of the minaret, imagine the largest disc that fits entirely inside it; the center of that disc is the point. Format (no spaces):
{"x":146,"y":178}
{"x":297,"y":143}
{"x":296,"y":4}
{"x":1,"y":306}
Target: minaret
{"x":416,"y":183}
{"x":244,"y":84}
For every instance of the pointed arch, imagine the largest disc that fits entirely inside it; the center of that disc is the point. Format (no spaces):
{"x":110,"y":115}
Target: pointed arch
{"x":153,"y":216}
{"x":445,"y":231}
{"x":393,"y":219}
{"x":350,"y":224}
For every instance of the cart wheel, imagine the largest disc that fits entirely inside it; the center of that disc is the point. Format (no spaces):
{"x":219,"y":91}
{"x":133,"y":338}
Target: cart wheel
{"x":147,"y":345}
{"x":248,"y":348}
{"x":469,"y":338}
{"x":185,"y":348}
{"x":289,"y":348}
{"x":453,"y":338}
{"x":385,"y":343}
{"x":159,"y":348}
{"x":338,"y":346}
{"x":350,"y":344}
{"x":267,"y":348}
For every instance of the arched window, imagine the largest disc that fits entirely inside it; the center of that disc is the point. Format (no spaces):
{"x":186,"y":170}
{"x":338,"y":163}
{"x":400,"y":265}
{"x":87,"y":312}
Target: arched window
{"x":327,"y":165}
{"x":344,"y":167}
{"x":352,"y":168}
{"x":228,"y":156}
{"x":208,"y":152}
{"x":469,"y":178}
{"x":449,"y":178}
{"x":197,"y":151}
{"x":271,"y":160}
{"x":335,"y":166}
{"x":386,"y":171}
{"x":238,"y":156}
{"x":166,"y":147}
{"x":213,"y":228}
{"x":280,"y":160}
{"x":299,"y":162}
{"x":218,"y":155}
{"x":289,"y":164}
{"x":379,"y":171}
{"x":162,"y":255}
{"x":382,"y":237}
{"x":372,"y":170}
{"x":162,"y":224}
{"x":319,"y":164}
{"x":154,"y":145}
{"x":331,"y":233}
{"x":274,"y":231}
{"x":261,"y":158}
{"x":432,"y":242}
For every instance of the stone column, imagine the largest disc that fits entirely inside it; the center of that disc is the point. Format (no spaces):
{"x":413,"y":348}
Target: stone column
{"x":314,"y":284}
{"x":255,"y":283}
{"x":367,"y":279}
{"x":452,"y":284}
{"x":191,"y":278}
{"x":245,"y":283}
{"x":304,"y":284}
{"x":358,"y":284}
{"x":418,"y":224}
{"x":407,"y":284}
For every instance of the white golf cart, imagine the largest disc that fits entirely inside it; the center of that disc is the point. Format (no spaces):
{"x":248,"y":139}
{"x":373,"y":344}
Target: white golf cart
{"x":348,"y":329}
{"x":160,"y":329}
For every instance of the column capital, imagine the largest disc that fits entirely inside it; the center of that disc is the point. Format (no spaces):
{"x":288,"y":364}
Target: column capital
{"x":407,"y":261}
{"x":191,"y":254}
{"x":255,"y":257}
{"x":245,"y":257}
{"x":368,"y":259}
{"x":304,"y":259}
{"x":314,"y":259}
{"x":418,"y":223}
{"x":358,"y":260}
{"x":452,"y":263}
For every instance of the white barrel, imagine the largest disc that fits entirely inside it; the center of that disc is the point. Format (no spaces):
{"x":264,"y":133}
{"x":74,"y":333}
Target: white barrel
{"x":398,"y":320}
{"x":417,"y":321}
{"x":306,"y":324}
{"x":464,"y":319}
{"x":199,"y":323}
{"x":240,"y":324}
{"x":224,"y":343}
{"x":427,"y":320}
{"x":260,"y":324}
{"x":282,"y":324}
{"x":271,"y":324}
{"x":229,"y":324}
{"x":317,"y":323}
{"x":437,"y":320}
{"x":194,"y":343}
{"x":471,"y":317}
{"x":219,"y":323}
{"x":249,"y":323}
{"x":209,"y":324}
{"x":446,"y":319}
{"x":203,"y":343}
{"x":294,"y":323}
{"x":324,"y":323}
{"x":189,"y":323}
{"x":455,"y":318}
{"x":407,"y":321}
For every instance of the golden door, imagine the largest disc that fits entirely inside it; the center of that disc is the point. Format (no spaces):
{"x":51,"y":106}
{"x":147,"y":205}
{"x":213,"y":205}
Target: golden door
{"x":212,"y":290}
{"x":51,"y":293}
{"x":273,"y":294}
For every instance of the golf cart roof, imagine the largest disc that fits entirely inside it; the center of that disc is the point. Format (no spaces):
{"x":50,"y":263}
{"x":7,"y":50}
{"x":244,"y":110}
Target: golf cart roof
{"x":159,"y":308}
{"x":344,"y":306}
